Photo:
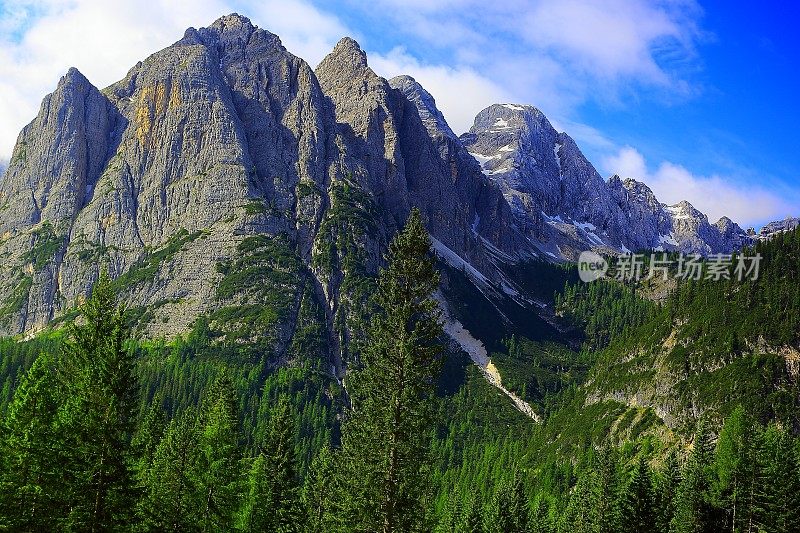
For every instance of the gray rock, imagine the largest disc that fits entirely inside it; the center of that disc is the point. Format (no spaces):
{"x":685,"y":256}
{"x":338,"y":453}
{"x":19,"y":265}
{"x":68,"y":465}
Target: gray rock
{"x":433,"y":119}
{"x":225,"y":135}
{"x":772,"y":229}
{"x":562,"y":203}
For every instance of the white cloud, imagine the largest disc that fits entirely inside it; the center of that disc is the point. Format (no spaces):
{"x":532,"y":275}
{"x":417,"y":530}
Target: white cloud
{"x":716,"y":196}
{"x":39,"y":41}
{"x":555,"y":54}
{"x":555,"y":50}
{"x":550,"y":53}
{"x":612,"y":39}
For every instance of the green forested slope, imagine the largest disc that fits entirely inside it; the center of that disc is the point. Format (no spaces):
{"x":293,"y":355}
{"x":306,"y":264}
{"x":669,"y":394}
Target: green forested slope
{"x":679,"y":416}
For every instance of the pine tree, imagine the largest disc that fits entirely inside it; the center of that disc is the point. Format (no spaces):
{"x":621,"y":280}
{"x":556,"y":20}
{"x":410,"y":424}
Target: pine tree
{"x":583,"y":508}
{"x":693,"y":513}
{"x":317,"y":491}
{"x":386,"y":437}
{"x":607,"y":467}
{"x":732,"y":470}
{"x":99,"y":414}
{"x":174,"y":499}
{"x":776,"y":482}
{"x":785,"y":476}
{"x":519,"y":506}
{"x":219,"y":455}
{"x":145,"y":443}
{"x":149,"y":433}
{"x":257,"y":515}
{"x":451,"y":521}
{"x":666,"y":490}
{"x":638,"y":515}
{"x":32,"y":453}
{"x":539,"y":521}
{"x":508,"y":512}
{"x":273,"y":500}
{"x":472,"y":517}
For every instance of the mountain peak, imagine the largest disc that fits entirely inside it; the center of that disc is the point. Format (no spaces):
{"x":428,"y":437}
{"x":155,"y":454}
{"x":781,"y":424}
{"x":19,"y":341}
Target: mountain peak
{"x":683,"y":206}
{"x":232,"y":22}
{"x":349,"y":50}
{"x":426,"y":104}
{"x":344,"y":69}
{"x":73,"y":76}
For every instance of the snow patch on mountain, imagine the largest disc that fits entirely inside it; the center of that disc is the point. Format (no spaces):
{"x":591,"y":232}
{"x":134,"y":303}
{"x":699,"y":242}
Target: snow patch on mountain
{"x":455,"y":261}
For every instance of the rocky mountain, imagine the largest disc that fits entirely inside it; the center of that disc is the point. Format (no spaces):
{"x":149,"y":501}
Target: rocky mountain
{"x":562,"y":202}
{"x":223,"y":176}
{"x":772,"y":229}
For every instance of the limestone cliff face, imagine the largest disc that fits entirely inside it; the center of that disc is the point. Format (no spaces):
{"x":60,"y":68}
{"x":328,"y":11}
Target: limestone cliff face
{"x":223,"y":177}
{"x":565,"y":206}
{"x":51,"y":178}
{"x":406,"y":161}
{"x":201,"y":145}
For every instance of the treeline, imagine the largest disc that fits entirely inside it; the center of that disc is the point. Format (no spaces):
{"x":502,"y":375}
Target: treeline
{"x":100,"y":433}
{"x":723,"y":315}
{"x":748,"y":480}
{"x":74,"y":458}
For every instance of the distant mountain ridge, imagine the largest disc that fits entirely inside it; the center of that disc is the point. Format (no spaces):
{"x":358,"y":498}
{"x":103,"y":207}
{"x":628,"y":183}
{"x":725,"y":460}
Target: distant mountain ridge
{"x":568,"y":207}
{"x":225,"y":149}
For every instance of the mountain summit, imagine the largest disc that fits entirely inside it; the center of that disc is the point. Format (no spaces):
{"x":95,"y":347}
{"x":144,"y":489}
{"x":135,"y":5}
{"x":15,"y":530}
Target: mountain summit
{"x":226,"y":152}
{"x":223,"y":167}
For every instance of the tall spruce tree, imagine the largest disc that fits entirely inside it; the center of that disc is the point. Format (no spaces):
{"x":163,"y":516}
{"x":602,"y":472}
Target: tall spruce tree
{"x":732,"y":480}
{"x":256,"y":514}
{"x":273,"y":499}
{"x":637,"y":513}
{"x":539,"y":520}
{"x":219,"y":455}
{"x":693,"y":510}
{"x":386,"y":437}
{"x":472,"y":516}
{"x":32,"y":454}
{"x":776,"y":483}
{"x":508,"y":512}
{"x":173,"y":497}
{"x":609,"y":478}
{"x":666,"y":489}
{"x":318,"y":490}
{"x":101,"y":390}
{"x":583,"y":510}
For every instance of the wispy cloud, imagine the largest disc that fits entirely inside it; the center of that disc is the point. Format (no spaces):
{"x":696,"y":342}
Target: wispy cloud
{"x":555,"y":54}
{"x":552,"y":51}
{"x":716,"y":196}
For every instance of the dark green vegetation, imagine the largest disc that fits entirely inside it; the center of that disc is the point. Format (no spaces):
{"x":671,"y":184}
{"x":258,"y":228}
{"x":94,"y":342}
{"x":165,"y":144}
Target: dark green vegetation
{"x":146,"y":268}
{"x":259,"y":286}
{"x":604,"y":311}
{"x":46,"y":244}
{"x":678,"y":416}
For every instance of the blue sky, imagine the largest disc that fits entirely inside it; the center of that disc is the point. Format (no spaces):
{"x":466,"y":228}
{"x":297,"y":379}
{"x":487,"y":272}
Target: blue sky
{"x":698,"y":100}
